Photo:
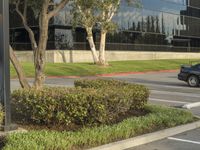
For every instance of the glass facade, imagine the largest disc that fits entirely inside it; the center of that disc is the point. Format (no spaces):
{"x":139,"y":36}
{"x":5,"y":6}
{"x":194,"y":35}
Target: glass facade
{"x":159,"y":25}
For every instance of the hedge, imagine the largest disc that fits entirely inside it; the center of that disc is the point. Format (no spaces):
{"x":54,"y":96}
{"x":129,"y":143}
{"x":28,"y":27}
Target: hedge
{"x":79,"y":105}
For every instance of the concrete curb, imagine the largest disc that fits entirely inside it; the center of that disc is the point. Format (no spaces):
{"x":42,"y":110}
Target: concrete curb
{"x":147,"y":138}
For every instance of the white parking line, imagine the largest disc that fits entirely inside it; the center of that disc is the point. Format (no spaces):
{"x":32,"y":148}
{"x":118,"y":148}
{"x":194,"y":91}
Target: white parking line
{"x":176,"y":93}
{"x":191,"y":105}
{"x":183,"y":140}
{"x":167,"y":86}
{"x":168,"y":101}
{"x":185,"y":105}
{"x":159,"y":85}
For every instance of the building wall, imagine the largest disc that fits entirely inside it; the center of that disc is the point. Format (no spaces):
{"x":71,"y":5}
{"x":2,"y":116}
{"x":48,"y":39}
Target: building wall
{"x":70,"y":56}
{"x":159,"y":25}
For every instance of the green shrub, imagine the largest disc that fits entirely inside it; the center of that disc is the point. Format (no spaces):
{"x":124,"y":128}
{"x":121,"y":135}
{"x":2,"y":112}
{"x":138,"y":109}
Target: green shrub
{"x":80,"y":106}
{"x":137,"y":95}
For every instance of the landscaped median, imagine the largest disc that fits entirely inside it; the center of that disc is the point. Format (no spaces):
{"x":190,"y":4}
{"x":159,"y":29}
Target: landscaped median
{"x":158,"y":118}
{"x":93,"y":113}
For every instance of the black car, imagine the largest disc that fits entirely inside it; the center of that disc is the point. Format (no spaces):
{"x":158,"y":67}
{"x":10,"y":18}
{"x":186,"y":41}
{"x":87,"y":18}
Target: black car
{"x":190,"y":74}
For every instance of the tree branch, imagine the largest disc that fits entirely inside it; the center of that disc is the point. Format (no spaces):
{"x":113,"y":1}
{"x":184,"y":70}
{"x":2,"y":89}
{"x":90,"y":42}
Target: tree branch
{"x":55,"y":11}
{"x":24,"y":21}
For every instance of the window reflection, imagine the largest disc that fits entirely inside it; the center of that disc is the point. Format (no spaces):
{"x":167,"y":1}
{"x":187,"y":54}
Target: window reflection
{"x":63,"y":39}
{"x":160,"y":25}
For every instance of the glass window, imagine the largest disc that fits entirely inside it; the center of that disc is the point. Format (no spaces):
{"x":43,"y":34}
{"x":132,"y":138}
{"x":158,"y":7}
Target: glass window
{"x":194,"y":3}
{"x":63,"y":39}
{"x":64,"y":17}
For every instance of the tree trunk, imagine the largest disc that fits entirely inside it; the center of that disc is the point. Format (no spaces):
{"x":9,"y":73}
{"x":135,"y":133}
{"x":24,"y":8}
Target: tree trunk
{"x":102,"y":58}
{"x":19,"y":70}
{"x":39,"y":69}
{"x":92,"y":45}
{"x":40,"y":56}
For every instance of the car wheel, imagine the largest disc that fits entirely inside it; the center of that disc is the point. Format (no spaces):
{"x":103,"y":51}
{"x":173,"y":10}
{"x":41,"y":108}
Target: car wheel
{"x":193,"y":81}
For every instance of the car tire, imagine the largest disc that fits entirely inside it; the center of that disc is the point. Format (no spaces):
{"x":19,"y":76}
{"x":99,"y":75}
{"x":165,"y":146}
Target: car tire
{"x":193,"y":81}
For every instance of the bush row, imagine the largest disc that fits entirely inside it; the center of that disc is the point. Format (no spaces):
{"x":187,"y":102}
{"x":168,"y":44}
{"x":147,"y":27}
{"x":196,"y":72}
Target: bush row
{"x":90,"y":102}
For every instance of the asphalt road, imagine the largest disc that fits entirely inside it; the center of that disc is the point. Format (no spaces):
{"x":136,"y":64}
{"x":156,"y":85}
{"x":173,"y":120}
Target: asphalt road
{"x":165,"y":89}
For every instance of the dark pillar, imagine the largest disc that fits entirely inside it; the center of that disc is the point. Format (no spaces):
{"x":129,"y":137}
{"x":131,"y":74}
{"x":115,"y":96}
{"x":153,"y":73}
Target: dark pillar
{"x":5,"y":63}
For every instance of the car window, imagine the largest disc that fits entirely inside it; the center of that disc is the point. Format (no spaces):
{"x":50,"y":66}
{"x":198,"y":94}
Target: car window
{"x":197,"y":66}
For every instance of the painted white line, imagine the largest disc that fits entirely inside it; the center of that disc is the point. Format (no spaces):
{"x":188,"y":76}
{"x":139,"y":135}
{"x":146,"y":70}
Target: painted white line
{"x":168,"y":101}
{"x":167,"y":86}
{"x":191,"y":105}
{"x":183,"y":140}
{"x":176,"y":93}
{"x":160,"y":85}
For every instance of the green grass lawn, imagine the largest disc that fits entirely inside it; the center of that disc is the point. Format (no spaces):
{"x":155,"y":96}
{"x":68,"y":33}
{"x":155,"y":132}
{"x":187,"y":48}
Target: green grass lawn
{"x":159,"y":118}
{"x":88,"y":69}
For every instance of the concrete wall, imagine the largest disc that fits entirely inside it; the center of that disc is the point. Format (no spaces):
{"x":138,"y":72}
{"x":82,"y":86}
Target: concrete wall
{"x":85,"y":56}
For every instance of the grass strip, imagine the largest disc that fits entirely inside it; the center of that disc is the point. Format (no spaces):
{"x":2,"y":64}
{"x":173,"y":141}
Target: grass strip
{"x":160,"y":118}
{"x":88,"y":69}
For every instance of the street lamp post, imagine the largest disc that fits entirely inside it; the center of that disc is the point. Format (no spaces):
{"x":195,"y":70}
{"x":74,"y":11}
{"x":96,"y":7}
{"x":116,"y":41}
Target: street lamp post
{"x":5,"y":63}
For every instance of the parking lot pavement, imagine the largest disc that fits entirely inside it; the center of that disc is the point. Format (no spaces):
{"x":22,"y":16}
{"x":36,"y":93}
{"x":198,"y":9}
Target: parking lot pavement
{"x":49,"y":81}
{"x":196,"y":112}
{"x":166,"y":89}
{"x":185,"y":141}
